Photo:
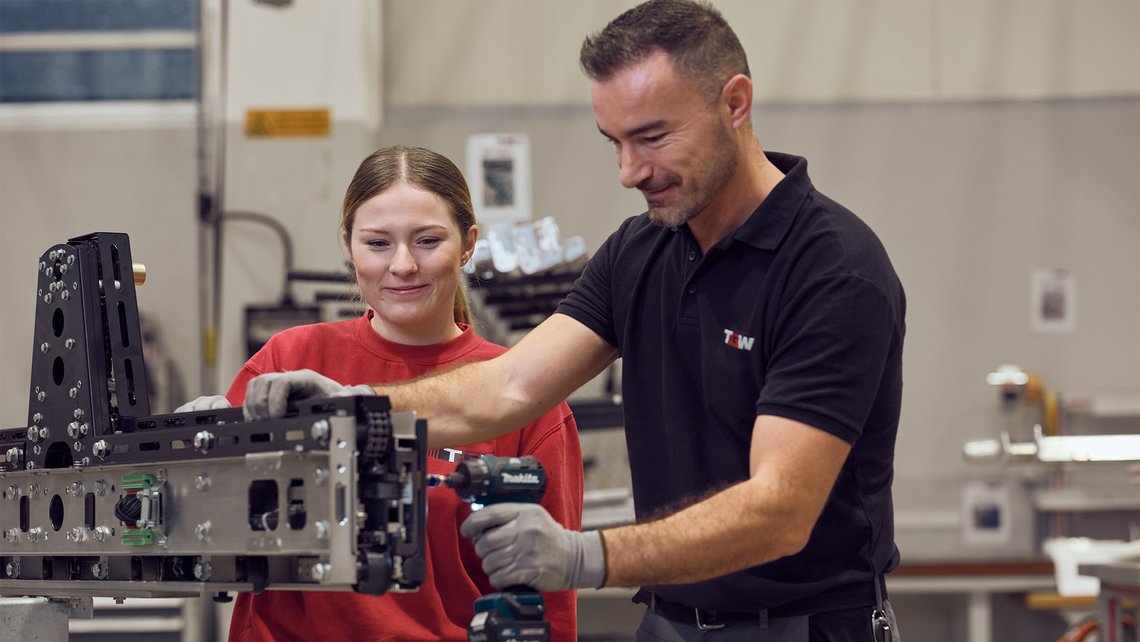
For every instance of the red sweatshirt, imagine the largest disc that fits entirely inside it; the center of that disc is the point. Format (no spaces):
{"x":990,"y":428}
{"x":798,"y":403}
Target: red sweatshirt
{"x":351,"y":352}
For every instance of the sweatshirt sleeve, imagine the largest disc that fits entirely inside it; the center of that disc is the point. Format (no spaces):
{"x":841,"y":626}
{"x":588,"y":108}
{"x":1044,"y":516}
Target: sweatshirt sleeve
{"x":553,"y":440}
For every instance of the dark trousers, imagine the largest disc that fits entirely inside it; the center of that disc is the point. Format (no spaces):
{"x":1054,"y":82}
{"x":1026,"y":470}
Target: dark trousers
{"x":849,"y":625}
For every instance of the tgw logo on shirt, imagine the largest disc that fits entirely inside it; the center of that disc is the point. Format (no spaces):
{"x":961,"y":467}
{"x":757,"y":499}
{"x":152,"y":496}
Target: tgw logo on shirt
{"x":737,"y":340}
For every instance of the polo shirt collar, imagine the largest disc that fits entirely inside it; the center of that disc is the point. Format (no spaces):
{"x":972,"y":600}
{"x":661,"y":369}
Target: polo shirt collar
{"x":770,"y":221}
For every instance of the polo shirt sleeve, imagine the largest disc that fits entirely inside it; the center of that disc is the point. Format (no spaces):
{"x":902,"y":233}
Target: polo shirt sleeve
{"x":590,"y":301}
{"x":831,"y":344}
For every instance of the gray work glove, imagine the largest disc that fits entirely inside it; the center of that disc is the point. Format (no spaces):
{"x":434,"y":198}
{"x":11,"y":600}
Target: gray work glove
{"x":267,"y":394}
{"x":521,"y":544}
{"x":209,"y":402}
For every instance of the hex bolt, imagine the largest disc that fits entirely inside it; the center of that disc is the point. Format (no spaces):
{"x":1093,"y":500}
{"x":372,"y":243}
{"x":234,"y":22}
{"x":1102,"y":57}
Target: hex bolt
{"x":63,"y":269}
{"x":202,"y":531}
{"x":75,"y":488}
{"x":202,"y":482}
{"x":78,"y":413}
{"x":33,"y":434}
{"x":73,"y":430}
{"x":12,"y":535}
{"x":77,"y":446}
{"x":321,"y":529}
{"x":77,"y":534}
{"x":37,"y":418}
{"x":101,"y":533}
{"x":83,"y":429}
{"x":37,"y":450}
{"x":65,"y":295}
{"x":45,"y":347}
{"x":99,"y":571}
{"x":47,"y":298}
{"x":13,"y":492}
{"x":320,"y":430}
{"x":14,"y":455}
{"x":74,"y":392}
{"x":13,"y":569}
{"x":204,"y":441}
{"x":100,"y":448}
{"x":33,"y":490}
{"x":321,"y":572}
{"x":100,"y":487}
{"x":43,"y":266}
{"x":202,"y":571}
{"x":44,"y":433}
{"x":35,"y":534}
{"x":71,"y":259}
{"x":40,"y":396}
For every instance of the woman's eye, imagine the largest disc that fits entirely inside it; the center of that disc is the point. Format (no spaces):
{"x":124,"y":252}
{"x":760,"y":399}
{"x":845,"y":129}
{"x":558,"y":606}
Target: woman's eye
{"x":429,"y":241}
{"x":378,"y":243}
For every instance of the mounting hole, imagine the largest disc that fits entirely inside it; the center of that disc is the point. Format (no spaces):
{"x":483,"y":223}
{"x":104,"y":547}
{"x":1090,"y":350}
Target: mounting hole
{"x":55,"y":512}
{"x":57,"y":370}
{"x":57,"y":322}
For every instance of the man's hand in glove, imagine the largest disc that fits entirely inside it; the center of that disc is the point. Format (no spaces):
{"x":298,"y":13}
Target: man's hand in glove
{"x":267,"y":394}
{"x":521,"y":544}
{"x":211,"y":402}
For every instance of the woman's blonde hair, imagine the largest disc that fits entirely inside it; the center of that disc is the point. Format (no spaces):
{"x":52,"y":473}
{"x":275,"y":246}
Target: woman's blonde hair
{"x":426,"y":170}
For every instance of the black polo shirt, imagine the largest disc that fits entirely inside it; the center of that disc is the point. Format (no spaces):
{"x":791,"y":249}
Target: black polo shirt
{"x":798,"y":313}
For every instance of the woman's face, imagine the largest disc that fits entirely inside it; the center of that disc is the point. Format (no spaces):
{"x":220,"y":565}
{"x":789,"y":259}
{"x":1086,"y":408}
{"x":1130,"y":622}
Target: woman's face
{"x":407,"y":250}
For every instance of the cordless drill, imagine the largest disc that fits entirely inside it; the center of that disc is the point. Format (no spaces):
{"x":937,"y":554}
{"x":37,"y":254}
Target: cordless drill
{"x":515,"y":614}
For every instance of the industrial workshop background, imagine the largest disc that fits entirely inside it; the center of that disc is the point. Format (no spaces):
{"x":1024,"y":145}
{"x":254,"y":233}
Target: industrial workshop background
{"x":983,"y":140}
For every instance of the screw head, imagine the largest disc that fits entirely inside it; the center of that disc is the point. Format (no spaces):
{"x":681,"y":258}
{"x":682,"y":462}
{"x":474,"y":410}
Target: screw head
{"x":204,"y":441}
{"x":99,"y":571}
{"x":321,"y":571}
{"x":14,"y":455}
{"x":100,"y":448}
{"x":202,"y":571}
{"x":13,"y":569}
{"x":320,"y":476}
{"x":202,"y":482}
{"x":321,"y":529}
{"x":320,"y":430}
{"x":202,"y":531}
{"x":40,"y":396}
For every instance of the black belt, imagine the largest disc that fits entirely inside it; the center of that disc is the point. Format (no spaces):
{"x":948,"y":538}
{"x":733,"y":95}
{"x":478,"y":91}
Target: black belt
{"x":705,"y":619}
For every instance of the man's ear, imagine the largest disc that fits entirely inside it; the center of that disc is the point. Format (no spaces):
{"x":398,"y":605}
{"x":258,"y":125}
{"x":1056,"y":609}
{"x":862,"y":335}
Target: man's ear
{"x":736,"y":96}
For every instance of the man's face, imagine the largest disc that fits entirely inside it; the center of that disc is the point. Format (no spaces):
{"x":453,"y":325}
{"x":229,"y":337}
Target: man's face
{"x":671,"y":142}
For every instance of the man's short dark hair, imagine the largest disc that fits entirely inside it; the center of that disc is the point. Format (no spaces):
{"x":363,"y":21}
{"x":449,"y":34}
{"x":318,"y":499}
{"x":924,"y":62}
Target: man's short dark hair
{"x":693,"y":33}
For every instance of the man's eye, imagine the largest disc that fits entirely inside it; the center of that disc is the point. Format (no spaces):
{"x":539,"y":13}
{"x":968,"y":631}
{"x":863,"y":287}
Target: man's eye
{"x":653,"y":139}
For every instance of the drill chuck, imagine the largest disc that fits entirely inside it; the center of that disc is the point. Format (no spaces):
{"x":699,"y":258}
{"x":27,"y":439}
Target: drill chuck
{"x":490,"y":480}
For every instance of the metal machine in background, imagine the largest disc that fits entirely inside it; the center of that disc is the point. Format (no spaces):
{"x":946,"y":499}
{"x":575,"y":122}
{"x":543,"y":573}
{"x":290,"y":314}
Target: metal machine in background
{"x":100,"y":498}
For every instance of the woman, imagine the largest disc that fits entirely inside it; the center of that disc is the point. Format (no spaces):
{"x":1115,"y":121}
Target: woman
{"x":408,"y":227}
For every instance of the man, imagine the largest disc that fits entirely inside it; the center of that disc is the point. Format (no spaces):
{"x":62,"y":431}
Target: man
{"x":761,"y":330}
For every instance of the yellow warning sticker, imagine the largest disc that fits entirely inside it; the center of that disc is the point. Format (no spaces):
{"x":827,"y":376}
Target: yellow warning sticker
{"x":273,"y":123}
